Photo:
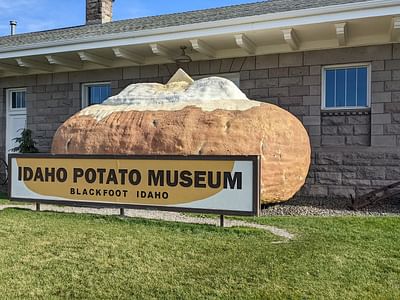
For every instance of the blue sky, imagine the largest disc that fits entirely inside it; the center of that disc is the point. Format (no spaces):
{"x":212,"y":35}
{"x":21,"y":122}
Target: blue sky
{"x":36,"y":15}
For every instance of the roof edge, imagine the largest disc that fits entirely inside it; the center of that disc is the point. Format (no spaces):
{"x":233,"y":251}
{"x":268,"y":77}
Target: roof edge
{"x":342,"y":12}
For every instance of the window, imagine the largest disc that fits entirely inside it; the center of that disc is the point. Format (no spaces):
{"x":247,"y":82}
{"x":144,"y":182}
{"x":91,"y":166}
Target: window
{"x":95,"y":93}
{"x":17,"y":99}
{"x":346,"y":86}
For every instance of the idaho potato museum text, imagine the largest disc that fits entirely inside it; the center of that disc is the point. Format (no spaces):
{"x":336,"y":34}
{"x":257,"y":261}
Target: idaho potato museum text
{"x":159,"y":178}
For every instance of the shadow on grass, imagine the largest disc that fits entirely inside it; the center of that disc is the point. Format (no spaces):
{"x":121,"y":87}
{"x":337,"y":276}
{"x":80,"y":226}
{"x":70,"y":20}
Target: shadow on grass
{"x":166,"y":224}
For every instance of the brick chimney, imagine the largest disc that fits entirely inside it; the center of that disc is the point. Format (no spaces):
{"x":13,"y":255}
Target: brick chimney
{"x":98,"y":11}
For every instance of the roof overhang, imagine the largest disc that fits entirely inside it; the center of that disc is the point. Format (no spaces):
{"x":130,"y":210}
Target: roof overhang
{"x":355,"y":24}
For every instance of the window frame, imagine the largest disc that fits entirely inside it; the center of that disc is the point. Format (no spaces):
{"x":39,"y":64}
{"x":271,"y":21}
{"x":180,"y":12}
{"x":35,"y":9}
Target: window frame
{"x":323,"y":86}
{"x":85,"y":91}
{"x":9,"y":99}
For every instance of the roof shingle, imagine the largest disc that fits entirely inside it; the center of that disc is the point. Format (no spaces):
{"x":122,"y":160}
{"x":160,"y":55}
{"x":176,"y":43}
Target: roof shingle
{"x":162,"y":21}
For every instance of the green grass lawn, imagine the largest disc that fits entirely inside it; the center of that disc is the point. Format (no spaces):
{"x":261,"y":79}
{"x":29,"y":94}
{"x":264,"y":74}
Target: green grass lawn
{"x":52,"y":255}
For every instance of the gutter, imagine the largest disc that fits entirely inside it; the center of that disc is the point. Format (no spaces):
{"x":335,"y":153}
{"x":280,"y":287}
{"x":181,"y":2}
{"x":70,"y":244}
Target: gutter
{"x":334,"y":13}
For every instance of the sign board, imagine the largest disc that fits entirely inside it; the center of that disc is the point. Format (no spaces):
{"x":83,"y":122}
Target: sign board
{"x":209,"y":184}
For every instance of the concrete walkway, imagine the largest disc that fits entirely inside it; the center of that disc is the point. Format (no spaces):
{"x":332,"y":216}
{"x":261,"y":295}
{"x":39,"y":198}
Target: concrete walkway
{"x":156,"y":215}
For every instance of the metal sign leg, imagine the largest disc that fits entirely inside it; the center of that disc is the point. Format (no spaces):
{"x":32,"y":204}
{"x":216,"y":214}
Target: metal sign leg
{"x":122,"y":212}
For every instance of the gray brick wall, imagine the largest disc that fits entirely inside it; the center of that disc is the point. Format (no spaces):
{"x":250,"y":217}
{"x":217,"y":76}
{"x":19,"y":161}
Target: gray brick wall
{"x":341,"y":172}
{"x":346,"y":128}
{"x":292,"y":81}
{"x":49,"y":104}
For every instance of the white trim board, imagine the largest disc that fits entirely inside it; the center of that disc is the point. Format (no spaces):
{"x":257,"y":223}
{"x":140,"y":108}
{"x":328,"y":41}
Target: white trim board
{"x":323,"y":81}
{"x":327,"y":14}
{"x":12,"y":113}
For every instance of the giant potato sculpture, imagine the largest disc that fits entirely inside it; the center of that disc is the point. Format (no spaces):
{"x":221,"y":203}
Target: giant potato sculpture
{"x":208,"y":116}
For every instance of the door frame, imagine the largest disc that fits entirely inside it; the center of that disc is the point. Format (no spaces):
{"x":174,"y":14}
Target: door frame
{"x":12,"y":112}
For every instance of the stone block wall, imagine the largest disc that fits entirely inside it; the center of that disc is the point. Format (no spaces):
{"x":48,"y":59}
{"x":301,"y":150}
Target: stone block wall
{"x":346,"y":128}
{"x":341,"y":172}
{"x":292,"y":81}
{"x":385,"y":108}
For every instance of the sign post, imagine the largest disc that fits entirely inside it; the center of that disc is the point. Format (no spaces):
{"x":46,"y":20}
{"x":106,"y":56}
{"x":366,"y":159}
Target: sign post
{"x":225,"y":185}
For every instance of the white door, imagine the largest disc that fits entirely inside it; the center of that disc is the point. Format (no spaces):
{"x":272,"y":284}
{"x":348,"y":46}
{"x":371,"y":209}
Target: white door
{"x":16,"y":116}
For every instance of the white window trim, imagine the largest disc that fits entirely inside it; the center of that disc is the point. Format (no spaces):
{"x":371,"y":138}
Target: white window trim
{"x":234,"y":77}
{"x":84,"y":92}
{"x":323,"y":77}
{"x":9,"y":100}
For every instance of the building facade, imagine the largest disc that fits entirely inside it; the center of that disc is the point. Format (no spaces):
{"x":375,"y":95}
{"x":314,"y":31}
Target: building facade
{"x":343,"y":83}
